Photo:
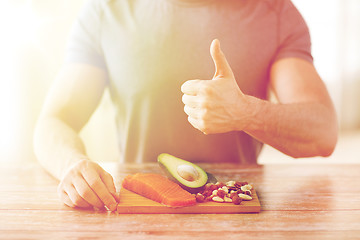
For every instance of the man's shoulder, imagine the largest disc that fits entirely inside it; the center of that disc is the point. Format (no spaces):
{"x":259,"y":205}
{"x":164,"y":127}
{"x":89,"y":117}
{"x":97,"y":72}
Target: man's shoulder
{"x":103,"y":4}
{"x":100,"y":6}
{"x":100,"y":3}
{"x":275,"y":5}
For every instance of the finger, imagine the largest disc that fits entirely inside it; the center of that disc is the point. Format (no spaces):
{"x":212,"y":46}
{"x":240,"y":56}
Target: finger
{"x":116,"y":196}
{"x":199,"y":124}
{"x":96,"y":184}
{"x":86,"y":192}
{"x":194,"y":122}
{"x":222,"y":67}
{"x":192,"y":87}
{"x":108,"y":180}
{"x":192,"y":112}
{"x":190,"y":101}
{"x":65,"y":199}
{"x":109,"y":183}
{"x":75,"y":197}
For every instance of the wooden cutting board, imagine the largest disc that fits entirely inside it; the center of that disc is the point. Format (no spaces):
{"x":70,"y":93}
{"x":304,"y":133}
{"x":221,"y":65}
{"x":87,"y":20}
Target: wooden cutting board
{"x":134,"y":203}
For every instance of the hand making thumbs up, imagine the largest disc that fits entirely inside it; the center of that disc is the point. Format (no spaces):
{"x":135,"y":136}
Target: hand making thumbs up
{"x":217,"y":105}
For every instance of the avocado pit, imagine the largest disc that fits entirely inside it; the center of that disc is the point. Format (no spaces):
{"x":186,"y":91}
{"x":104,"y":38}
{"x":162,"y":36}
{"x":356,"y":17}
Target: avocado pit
{"x":188,"y":175}
{"x":188,"y":172}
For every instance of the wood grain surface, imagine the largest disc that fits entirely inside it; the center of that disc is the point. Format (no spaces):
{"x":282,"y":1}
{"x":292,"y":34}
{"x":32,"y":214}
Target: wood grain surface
{"x":297,"y":202}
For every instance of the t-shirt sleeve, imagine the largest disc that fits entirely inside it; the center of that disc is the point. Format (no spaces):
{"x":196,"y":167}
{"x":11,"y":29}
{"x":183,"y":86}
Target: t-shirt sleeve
{"x":293,"y":34}
{"x":84,"y":45}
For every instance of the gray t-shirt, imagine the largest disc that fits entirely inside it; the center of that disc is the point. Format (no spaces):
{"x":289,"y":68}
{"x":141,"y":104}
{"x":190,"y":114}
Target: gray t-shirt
{"x":149,"y":48}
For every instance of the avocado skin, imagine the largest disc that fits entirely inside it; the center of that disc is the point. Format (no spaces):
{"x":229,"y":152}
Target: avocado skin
{"x":210,"y":177}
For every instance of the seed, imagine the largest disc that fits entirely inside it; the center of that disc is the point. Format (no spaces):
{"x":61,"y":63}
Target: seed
{"x":221,"y":193}
{"x":213,"y":187}
{"x":236,"y":200}
{"x":219,"y":184}
{"x":232,"y":191}
{"x":188,"y":172}
{"x":199,"y":197}
{"x":239,"y":191}
{"x":244,"y":196}
{"x":232,"y":188}
{"x":209,"y":198}
{"x":230,"y":184}
{"x":217,"y":199}
{"x":225,"y":189}
{"x":233,"y":194}
{"x":208,"y":185}
{"x":239,"y":184}
{"x":207,"y":193}
{"x":246,"y":187}
{"x":248,"y":192}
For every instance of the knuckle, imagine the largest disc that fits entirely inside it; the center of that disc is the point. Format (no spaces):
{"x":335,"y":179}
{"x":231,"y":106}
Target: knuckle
{"x":78,"y":200}
{"x":190,"y":120}
{"x":109,"y":176}
{"x":84,"y":165}
{"x":183,"y":98}
{"x":73,"y":173}
{"x":107,"y":200}
{"x":186,"y":110}
{"x":61,"y":194}
{"x":184,"y":86}
{"x":202,"y":125}
{"x":67,"y":202}
{"x":205,"y":128}
{"x":85,"y":193}
{"x":203,"y":115}
{"x":207,"y":90}
{"x":60,"y":187}
{"x":189,"y":112}
{"x":81,"y":163}
{"x":204,"y":104}
{"x":94,"y":183}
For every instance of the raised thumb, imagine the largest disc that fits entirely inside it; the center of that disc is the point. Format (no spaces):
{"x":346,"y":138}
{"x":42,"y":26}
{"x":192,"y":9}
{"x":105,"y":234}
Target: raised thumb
{"x":222,"y":67}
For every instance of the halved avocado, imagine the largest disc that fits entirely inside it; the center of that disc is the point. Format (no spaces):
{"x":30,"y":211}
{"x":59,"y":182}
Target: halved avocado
{"x":188,"y":175}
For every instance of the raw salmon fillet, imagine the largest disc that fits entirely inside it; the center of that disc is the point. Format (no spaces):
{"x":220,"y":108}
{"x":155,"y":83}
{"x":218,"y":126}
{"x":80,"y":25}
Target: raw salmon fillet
{"x":158,"y":188}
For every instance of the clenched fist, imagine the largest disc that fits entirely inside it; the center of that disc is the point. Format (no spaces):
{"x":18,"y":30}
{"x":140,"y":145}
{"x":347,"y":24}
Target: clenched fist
{"x":217,"y":105}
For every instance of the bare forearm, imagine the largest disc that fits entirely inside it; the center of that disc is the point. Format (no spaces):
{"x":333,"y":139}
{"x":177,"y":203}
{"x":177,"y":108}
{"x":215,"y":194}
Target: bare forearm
{"x":57,"y":146}
{"x":297,"y":129}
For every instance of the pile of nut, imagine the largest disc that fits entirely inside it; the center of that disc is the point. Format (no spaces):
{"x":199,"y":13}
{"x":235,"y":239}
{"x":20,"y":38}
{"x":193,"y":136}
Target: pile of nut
{"x":229,"y":192}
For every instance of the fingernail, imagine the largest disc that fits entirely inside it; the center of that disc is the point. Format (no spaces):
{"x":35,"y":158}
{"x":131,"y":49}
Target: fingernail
{"x":116,"y":196}
{"x":113,"y":207}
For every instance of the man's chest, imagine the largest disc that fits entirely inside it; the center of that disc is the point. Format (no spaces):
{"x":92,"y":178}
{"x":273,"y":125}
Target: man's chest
{"x":160,"y":51}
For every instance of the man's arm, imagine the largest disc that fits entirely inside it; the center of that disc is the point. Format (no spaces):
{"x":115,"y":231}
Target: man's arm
{"x":302,"y":124}
{"x":70,"y":103}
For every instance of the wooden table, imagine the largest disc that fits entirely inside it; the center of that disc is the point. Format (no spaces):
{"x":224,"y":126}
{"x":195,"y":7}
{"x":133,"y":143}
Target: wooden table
{"x":298,"y":202}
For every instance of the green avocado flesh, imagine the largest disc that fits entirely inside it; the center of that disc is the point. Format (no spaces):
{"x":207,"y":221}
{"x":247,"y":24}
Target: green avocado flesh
{"x":188,"y":175}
